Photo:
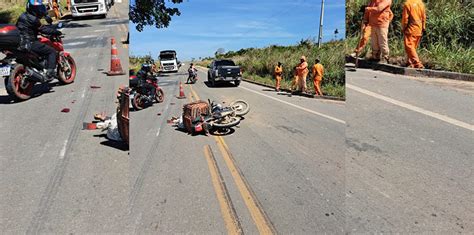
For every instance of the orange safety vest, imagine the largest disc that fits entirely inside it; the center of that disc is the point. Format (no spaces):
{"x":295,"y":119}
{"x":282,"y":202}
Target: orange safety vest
{"x":318,"y":71}
{"x":414,"y":17}
{"x":380,"y":13}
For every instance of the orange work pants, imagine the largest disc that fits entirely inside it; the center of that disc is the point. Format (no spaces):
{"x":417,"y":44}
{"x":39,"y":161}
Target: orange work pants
{"x":295,"y":83}
{"x":278,"y":81}
{"x":411,"y":44}
{"x":317,"y":85}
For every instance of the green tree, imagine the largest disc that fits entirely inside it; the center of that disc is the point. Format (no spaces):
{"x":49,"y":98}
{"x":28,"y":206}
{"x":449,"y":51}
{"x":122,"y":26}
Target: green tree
{"x":152,"y":12}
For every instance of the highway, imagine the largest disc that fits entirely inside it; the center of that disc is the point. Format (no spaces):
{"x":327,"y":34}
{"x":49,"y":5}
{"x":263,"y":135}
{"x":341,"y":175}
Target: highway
{"x":409,"y":159}
{"x":56,"y":177}
{"x":280,"y":171}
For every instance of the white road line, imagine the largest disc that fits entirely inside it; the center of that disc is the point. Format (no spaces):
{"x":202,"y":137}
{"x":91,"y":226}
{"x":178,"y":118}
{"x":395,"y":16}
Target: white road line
{"x":74,"y":44}
{"x":413,"y":108}
{"x":158,"y":132}
{"x":297,"y":106}
{"x":63,"y":150}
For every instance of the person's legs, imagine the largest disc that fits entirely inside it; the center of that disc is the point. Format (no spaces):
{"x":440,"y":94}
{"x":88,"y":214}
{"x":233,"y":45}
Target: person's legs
{"x":49,"y":53}
{"x":417,"y":60}
{"x":374,"y":44}
{"x":318,"y":87}
{"x":383,"y":43}
{"x":278,"y":81}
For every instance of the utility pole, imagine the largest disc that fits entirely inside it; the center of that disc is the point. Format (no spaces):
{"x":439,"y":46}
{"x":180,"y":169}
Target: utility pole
{"x":320,"y":38}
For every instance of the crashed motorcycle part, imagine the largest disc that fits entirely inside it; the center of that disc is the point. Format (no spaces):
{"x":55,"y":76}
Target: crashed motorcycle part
{"x":159,"y":96}
{"x":240,"y":107}
{"x":226,"y":123}
{"x":137,"y":102}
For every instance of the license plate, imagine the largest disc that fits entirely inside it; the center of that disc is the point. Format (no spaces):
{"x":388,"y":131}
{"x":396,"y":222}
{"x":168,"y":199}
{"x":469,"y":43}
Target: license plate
{"x":4,"y":71}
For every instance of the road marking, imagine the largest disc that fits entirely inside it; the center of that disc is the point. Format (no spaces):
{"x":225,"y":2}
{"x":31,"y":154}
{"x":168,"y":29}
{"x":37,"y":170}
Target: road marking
{"x":63,"y":150}
{"x":413,"y":108}
{"x":259,"y":217}
{"x":74,"y":44}
{"x":297,"y":106}
{"x":227,"y":208}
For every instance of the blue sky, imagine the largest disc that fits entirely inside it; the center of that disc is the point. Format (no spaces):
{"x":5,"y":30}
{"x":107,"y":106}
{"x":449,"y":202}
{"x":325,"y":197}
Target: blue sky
{"x":206,"y":25}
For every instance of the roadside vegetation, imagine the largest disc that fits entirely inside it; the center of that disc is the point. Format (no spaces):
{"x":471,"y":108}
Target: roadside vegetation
{"x":258,"y":64}
{"x":446,"y":45}
{"x":9,"y":14}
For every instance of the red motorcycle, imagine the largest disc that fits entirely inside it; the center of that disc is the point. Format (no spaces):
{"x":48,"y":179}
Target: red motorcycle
{"x":22,"y":70}
{"x":141,"y":97}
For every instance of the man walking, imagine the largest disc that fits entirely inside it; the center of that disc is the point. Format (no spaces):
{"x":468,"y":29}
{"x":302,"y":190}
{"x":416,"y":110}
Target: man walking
{"x":302,"y":73}
{"x":318,"y":72}
{"x":413,"y":25}
{"x":379,"y":17}
{"x":278,"y":75}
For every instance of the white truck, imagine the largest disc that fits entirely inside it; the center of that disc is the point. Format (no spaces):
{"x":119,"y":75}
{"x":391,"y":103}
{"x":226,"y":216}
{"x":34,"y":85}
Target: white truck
{"x":81,"y":8}
{"x":168,"y":61}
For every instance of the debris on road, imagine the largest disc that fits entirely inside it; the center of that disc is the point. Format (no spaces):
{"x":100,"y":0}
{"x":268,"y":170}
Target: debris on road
{"x":95,"y":87}
{"x":65,"y":110}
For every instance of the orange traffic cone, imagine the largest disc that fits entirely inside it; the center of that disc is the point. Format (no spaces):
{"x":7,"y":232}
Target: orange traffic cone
{"x":181,"y":92}
{"x":115,"y":66}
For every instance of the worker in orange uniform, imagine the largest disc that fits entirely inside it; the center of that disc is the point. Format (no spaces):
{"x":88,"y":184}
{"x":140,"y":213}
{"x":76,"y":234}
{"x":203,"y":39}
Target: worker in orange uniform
{"x":379,"y":17}
{"x":365,"y":32}
{"x":318,"y":72}
{"x":57,"y":15}
{"x":278,"y":75}
{"x":413,"y":25}
{"x":295,"y":83}
{"x":302,"y":73}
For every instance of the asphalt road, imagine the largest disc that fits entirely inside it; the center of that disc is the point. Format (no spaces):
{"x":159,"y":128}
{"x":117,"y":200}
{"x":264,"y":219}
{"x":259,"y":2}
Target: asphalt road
{"x":409,"y":159}
{"x":55,"y":177}
{"x":282,"y":169}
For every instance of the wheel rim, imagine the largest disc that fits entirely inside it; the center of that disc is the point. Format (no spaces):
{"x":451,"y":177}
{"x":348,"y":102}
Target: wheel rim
{"x":24,"y":90}
{"x":70,"y":75}
{"x":160,"y":97}
{"x":138,"y":102}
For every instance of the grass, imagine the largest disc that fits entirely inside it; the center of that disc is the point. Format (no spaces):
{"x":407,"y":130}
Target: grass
{"x":258,"y":64}
{"x":11,"y":14}
{"x":446,"y":45}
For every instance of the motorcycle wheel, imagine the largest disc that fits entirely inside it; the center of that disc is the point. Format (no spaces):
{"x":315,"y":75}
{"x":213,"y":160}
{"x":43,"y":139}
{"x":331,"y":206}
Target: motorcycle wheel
{"x":233,"y":121}
{"x":137,"y":102}
{"x":240,"y":107}
{"x":159,"y":96}
{"x":67,"y":77}
{"x":16,"y":84}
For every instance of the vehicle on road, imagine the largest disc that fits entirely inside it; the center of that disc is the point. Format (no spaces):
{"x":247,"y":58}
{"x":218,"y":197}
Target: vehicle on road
{"x":224,"y":71}
{"x":168,"y":61}
{"x":21,"y":70}
{"x":141,"y":97}
{"x":80,"y":8}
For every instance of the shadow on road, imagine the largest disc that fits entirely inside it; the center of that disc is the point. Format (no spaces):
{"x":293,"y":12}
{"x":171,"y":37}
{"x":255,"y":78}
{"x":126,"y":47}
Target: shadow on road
{"x":220,"y":85}
{"x":113,"y":144}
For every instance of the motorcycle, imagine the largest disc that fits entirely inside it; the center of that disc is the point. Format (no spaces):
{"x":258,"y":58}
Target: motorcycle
{"x":23,"y":69}
{"x":222,"y":118}
{"x":140,"y":96}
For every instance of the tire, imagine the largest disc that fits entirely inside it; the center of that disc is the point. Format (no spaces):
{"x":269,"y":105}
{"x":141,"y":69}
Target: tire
{"x":240,"y":107}
{"x":137,"y":103}
{"x":213,"y":82}
{"x":159,"y":96}
{"x":13,"y":84}
{"x":236,"y":83}
{"x":234,"y":122}
{"x":67,"y":78}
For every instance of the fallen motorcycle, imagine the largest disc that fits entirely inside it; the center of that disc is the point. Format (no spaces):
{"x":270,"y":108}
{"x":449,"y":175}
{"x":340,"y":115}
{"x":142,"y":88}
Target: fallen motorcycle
{"x":211,"y":117}
{"x":140,"y":96}
{"x":23,"y":69}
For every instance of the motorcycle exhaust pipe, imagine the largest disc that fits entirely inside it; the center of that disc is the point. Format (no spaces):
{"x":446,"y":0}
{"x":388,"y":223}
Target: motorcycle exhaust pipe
{"x":34,"y":75}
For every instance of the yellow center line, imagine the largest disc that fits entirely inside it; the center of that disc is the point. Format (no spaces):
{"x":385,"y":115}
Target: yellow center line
{"x":259,"y":217}
{"x":227,"y":209}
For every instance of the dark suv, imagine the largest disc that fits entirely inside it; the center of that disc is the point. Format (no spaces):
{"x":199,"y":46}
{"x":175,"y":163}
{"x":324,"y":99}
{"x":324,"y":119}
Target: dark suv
{"x":224,"y":71}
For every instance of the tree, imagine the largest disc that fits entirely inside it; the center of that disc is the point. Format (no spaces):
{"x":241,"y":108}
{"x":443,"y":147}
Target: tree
{"x":220,"y":51}
{"x":152,"y":12}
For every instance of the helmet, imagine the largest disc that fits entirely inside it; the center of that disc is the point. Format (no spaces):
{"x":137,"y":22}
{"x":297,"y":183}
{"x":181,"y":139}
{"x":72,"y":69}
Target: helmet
{"x":36,"y":7}
{"x":146,"y":68}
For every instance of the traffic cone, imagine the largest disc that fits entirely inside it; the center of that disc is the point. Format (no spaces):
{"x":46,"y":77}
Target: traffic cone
{"x":181,"y":92}
{"x":115,"y":66}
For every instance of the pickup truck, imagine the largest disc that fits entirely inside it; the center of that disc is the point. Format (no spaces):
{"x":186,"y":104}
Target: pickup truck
{"x":224,"y":71}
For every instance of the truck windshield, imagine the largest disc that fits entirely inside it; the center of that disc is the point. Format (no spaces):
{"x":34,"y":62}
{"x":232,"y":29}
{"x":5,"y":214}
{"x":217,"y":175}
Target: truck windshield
{"x":167,"y":57}
{"x":225,"y":63}
{"x":84,"y":1}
